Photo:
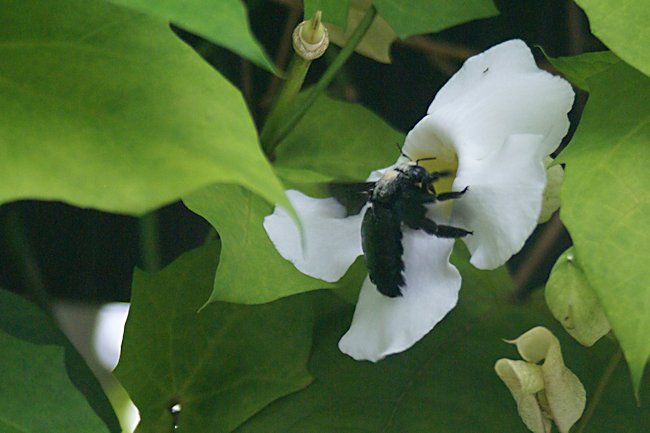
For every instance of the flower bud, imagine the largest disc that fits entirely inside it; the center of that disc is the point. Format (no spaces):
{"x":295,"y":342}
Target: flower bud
{"x":574,"y":303}
{"x":310,"y":38}
{"x":544,"y":393}
{"x":551,"y":199}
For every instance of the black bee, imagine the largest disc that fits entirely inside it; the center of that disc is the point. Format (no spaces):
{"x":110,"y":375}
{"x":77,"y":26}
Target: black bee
{"x":399,"y":197}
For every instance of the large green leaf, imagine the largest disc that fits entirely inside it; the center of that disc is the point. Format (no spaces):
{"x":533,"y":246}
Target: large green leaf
{"x":251,"y":270}
{"x":606,"y":204}
{"x":341,"y":140}
{"x":106,"y":108}
{"x":222,"y":364}
{"x":623,"y":27}
{"x":411,"y":17}
{"x":46,"y":386}
{"x":223,"y":22}
{"x":446,"y":383}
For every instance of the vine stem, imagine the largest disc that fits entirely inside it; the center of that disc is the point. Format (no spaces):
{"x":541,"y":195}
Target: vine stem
{"x":148,"y":227}
{"x":295,"y":77}
{"x":600,"y":390}
{"x":545,"y":243}
{"x":269,"y":142}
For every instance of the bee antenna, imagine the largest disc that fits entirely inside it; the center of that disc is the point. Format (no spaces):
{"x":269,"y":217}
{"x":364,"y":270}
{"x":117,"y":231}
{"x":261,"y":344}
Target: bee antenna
{"x":402,"y":153}
{"x":417,"y":162}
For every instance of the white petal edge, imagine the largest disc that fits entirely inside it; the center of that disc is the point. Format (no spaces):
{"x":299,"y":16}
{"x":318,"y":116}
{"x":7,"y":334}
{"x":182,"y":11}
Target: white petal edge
{"x":504,"y":199}
{"x":331,"y":241}
{"x":495,"y":94}
{"x":381,"y":325}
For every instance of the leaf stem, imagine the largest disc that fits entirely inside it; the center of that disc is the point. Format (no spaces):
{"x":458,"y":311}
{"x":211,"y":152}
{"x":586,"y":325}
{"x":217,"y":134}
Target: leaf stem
{"x":270,"y":142}
{"x":20,"y":246}
{"x":295,"y":77}
{"x":148,"y":226}
{"x":600,"y":390}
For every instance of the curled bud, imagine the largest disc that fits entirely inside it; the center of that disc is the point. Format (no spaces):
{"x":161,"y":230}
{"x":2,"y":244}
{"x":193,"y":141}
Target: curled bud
{"x":310,"y":38}
{"x":544,"y":393}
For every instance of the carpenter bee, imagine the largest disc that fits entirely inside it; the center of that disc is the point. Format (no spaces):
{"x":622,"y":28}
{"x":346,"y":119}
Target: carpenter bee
{"x":397,"y":199}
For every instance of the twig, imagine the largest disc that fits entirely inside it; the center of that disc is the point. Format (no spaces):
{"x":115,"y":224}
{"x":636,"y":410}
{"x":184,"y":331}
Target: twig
{"x":600,"y":390}
{"x":538,"y":253}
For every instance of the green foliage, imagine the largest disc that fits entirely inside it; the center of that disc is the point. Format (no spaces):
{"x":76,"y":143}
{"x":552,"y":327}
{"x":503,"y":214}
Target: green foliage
{"x":446,"y":382}
{"x":623,"y":27}
{"x":334,"y":11}
{"x":606,"y":203}
{"x":222,"y":364}
{"x":224,"y":22}
{"x":375,"y":44}
{"x":411,"y":17}
{"x":360,"y":142}
{"x":578,"y":69}
{"x":107,"y":108}
{"x":46,"y":386}
{"x":251,"y":270}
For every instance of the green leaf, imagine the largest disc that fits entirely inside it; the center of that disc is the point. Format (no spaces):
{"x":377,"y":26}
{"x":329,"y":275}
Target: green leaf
{"x":355,"y":143}
{"x":107,"y":108}
{"x":251,"y":270}
{"x":46,"y":385}
{"x":578,"y":69}
{"x":222,"y":364}
{"x":574,"y":303}
{"x":224,"y":22}
{"x":606,"y":203}
{"x":334,"y":11}
{"x":411,"y":17}
{"x":446,"y":382}
{"x":375,"y":44}
{"x":623,"y":27}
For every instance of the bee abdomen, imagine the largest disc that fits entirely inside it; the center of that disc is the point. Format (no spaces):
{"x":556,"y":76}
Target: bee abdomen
{"x":381,"y":237}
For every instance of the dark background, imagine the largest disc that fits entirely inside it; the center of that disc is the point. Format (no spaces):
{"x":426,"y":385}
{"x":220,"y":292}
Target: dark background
{"x":80,"y":254}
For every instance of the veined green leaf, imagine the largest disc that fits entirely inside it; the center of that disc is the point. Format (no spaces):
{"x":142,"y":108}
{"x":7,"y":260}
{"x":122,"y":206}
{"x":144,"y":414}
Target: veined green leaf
{"x":46,"y":385}
{"x":220,"y":365}
{"x":606,"y":204}
{"x":106,"y":108}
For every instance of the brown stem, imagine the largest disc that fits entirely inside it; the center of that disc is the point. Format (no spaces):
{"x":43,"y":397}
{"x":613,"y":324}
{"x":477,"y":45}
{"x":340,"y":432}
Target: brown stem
{"x":538,"y":253}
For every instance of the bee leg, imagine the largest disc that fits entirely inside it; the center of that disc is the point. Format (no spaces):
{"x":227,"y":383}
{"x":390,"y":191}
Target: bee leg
{"x":451,"y":195}
{"x":439,"y":230}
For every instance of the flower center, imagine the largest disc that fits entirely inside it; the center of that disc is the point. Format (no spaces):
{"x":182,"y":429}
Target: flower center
{"x":446,"y":160}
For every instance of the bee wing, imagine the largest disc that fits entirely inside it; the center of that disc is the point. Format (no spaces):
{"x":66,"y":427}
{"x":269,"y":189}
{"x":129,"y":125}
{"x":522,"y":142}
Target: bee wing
{"x":353,"y":196}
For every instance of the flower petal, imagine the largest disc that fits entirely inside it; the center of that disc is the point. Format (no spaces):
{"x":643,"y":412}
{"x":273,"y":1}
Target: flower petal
{"x":504,"y":199}
{"x":496,"y":94}
{"x":382,"y":325}
{"x":331,"y":241}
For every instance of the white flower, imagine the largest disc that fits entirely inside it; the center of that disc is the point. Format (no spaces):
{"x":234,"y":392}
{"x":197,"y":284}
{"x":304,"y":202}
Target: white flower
{"x":492,"y":124}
